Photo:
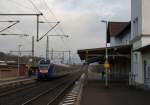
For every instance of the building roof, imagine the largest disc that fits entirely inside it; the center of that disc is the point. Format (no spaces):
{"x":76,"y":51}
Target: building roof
{"x":143,"y":49}
{"x":115,"y":28}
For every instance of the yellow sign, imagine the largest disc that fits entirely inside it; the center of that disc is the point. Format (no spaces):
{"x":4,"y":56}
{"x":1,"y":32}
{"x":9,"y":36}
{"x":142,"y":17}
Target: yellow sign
{"x":106,"y":65}
{"x":28,"y":66}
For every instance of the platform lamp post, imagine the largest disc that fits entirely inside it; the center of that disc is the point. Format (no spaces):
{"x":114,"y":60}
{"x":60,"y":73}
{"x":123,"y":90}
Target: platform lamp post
{"x":19,"y":55}
{"x":86,"y":72}
{"x":106,"y":64}
{"x":32,"y":59}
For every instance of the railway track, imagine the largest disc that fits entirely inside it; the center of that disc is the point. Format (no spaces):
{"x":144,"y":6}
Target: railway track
{"x":37,"y":94}
{"x":17,"y":89}
{"x":49,"y":96}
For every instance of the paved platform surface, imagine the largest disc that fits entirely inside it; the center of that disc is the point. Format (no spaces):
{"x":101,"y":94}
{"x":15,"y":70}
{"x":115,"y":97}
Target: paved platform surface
{"x":95,"y":93}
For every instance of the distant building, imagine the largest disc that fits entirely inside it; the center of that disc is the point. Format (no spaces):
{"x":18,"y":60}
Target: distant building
{"x":2,"y":63}
{"x":119,"y":52}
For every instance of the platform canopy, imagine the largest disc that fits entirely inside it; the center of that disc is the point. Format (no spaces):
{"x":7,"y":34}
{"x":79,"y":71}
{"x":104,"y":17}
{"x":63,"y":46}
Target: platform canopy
{"x":98,"y":54}
{"x":144,"y":48}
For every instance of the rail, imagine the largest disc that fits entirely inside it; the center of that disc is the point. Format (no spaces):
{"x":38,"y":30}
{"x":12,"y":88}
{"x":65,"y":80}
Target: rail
{"x":50,"y":95}
{"x":23,"y":87}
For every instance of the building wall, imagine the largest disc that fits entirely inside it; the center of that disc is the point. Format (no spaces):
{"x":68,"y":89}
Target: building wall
{"x":140,"y":35}
{"x":137,"y":68}
{"x":140,"y":20}
{"x":145,"y":40}
{"x":5,"y":73}
{"x":11,"y":72}
{"x":121,"y":68}
{"x":126,"y":38}
{"x":22,"y":70}
{"x":145,"y":17}
{"x":114,"y":41}
{"x":136,"y":18}
{"x":136,"y":21}
{"x":137,"y":44}
{"x":122,"y":40}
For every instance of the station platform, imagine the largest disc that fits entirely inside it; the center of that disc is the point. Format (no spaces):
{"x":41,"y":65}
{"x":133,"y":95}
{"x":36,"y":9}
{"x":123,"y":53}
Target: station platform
{"x":95,"y":93}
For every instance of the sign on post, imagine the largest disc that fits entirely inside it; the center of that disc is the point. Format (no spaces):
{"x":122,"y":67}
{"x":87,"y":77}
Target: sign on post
{"x":106,"y":65}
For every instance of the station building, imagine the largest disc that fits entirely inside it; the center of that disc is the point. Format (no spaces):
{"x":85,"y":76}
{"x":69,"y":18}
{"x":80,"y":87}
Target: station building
{"x":119,"y":52}
{"x":140,"y":39}
{"x":129,"y":51}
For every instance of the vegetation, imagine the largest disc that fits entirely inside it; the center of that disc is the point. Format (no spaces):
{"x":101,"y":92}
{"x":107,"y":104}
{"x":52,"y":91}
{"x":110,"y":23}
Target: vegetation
{"x":23,"y":59}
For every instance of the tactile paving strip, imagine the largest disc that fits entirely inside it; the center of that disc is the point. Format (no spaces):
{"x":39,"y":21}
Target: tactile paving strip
{"x":74,"y":94}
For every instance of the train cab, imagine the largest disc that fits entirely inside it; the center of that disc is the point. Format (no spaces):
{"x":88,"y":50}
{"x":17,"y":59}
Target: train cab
{"x":44,"y":69}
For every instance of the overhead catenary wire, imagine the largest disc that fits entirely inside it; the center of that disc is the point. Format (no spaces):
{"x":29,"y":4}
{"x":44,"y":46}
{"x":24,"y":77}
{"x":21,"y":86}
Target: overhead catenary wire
{"x":9,"y":26}
{"x":34,"y":6}
{"x":54,"y":16}
{"x":21,"y":4}
{"x":50,"y":24}
{"x":66,"y":45}
{"x":44,"y":17}
{"x":50,"y":10}
{"x":40,"y":12}
{"x":56,"y":20}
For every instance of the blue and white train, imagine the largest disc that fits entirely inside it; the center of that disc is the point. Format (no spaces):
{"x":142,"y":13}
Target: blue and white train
{"x":47,"y":70}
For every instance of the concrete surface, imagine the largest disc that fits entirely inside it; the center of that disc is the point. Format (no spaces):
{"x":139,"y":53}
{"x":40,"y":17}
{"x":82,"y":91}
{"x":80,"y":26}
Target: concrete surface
{"x":95,"y":93}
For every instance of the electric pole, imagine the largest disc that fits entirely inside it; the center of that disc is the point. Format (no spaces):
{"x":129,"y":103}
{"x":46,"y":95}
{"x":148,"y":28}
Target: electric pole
{"x":33,"y":49}
{"x":69,"y":57}
{"x":47,"y":48}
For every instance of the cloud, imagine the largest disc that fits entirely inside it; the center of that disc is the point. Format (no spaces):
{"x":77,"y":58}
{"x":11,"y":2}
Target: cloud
{"x":79,"y":18}
{"x":82,"y":19}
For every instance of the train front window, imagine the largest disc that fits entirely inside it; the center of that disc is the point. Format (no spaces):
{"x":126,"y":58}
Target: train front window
{"x":43,"y":69}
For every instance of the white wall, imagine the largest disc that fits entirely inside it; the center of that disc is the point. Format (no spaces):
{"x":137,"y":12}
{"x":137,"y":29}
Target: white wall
{"x":146,"y":17}
{"x":140,"y":18}
{"x":137,"y":69}
{"x":123,"y":40}
{"x":126,"y":39}
{"x":136,"y":18}
{"x":114,"y":41}
{"x":145,"y":41}
{"x":137,"y":44}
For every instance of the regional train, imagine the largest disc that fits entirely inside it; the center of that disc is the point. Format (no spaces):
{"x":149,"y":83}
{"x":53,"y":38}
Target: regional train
{"x":48,"y":70}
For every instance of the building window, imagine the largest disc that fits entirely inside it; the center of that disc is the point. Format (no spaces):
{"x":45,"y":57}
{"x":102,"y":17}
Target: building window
{"x":146,"y":72}
{"x":135,"y":58}
{"x":135,"y":27}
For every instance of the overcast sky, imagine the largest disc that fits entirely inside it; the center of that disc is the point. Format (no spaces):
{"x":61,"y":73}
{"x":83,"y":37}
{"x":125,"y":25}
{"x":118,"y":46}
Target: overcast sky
{"x":80,"y":19}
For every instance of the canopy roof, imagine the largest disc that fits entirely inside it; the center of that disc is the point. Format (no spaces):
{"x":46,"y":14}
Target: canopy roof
{"x":98,"y":54}
{"x":143,"y":49}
